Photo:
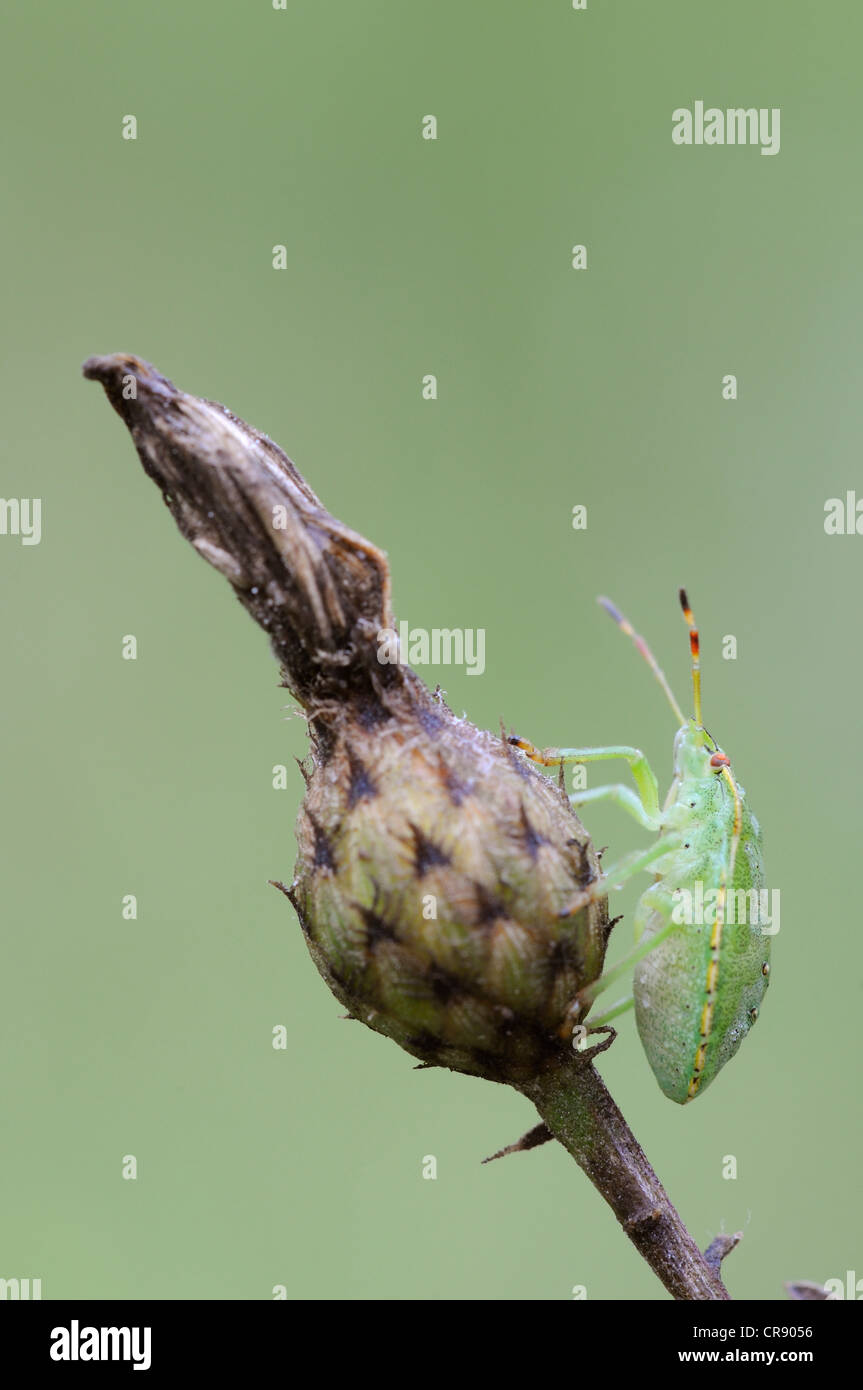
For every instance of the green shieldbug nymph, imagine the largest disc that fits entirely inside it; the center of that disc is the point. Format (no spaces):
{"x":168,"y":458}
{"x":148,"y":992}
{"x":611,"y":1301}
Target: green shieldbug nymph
{"x":699,"y":975}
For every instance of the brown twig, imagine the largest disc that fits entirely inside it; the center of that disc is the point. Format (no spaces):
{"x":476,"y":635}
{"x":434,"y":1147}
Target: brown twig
{"x":574,"y":1103}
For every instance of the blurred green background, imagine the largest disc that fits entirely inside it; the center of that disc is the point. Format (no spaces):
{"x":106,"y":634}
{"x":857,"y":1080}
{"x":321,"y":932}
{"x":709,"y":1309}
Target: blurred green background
{"x":600,"y":387}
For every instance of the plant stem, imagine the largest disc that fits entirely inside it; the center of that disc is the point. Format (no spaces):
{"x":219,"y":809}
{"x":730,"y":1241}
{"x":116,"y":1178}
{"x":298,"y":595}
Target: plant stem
{"x":575,"y":1105}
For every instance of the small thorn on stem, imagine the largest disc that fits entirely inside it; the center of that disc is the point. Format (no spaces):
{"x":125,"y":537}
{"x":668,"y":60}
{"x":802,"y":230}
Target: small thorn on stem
{"x":805,"y":1291}
{"x":540,"y":1134}
{"x":718,"y":1248}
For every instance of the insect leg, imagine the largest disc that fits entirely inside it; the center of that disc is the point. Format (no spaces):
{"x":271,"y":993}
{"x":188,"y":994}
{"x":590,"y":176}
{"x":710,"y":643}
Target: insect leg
{"x":642,"y":773}
{"x":616,"y":1009}
{"x":623,"y":967}
{"x":626,"y":868}
{"x":624,"y":797}
{"x":620,"y":873}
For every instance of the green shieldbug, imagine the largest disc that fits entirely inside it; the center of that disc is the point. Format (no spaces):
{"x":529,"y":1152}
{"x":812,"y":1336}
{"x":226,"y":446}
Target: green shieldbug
{"x":698,"y":984}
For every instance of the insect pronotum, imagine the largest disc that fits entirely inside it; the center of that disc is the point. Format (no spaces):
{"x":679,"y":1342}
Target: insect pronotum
{"x":697,"y":984}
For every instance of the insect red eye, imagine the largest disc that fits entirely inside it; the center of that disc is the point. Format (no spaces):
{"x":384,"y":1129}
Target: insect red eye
{"x":720,"y":760}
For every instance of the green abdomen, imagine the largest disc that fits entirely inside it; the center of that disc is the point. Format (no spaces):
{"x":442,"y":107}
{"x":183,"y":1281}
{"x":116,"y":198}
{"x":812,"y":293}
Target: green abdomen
{"x":698,"y":993}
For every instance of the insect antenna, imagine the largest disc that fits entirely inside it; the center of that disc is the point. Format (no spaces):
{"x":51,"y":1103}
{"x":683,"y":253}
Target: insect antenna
{"x":626,"y":626}
{"x":695,"y":649}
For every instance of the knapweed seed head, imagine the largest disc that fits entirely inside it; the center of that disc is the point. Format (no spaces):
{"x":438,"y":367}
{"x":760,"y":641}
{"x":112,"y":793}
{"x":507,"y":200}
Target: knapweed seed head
{"x":441,"y":881}
{"x":434,"y":874}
